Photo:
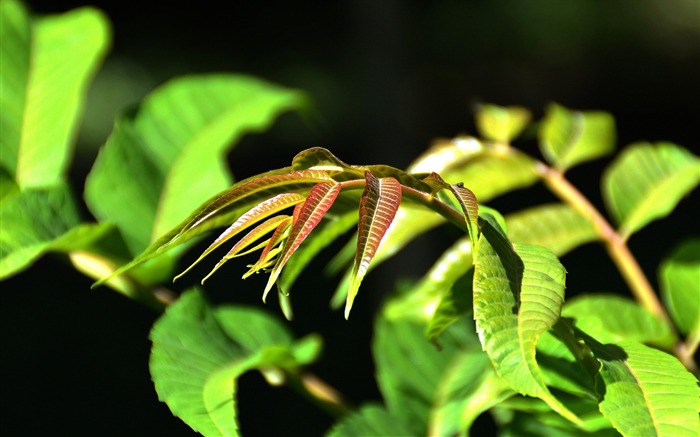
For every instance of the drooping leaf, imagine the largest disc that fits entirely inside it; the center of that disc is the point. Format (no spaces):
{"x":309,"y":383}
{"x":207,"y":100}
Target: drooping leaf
{"x":199,"y":352}
{"x":646,"y":391}
{"x":646,"y":182}
{"x":262,"y":210}
{"x":556,"y":226}
{"x":310,"y":213}
{"x":273,"y":247}
{"x":36,"y":221}
{"x":568,"y":138}
{"x":469,"y":387}
{"x":518,"y":294}
{"x":409,"y":368}
{"x":679,"y":276}
{"x":226,"y":207}
{"x":466,"y":199}
{"x":611,"y":318}
{"x":380,"y":201}
{"x":168,"y":156}
{"x":564,"y":371}
{"x":47,"y":65}
{"x":370,"y":421}
{"x":501,"y":123}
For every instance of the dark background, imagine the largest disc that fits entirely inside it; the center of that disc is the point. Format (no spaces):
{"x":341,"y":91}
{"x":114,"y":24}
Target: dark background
{"x":387,"y":77}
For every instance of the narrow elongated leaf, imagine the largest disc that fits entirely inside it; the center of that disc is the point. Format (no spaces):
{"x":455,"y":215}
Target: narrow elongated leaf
{"x":469,"y":387}
{"x":166,"y":158}
{"x":378,"y":206}
{"x":262,"y":210}
{"x":501,"y":123}
{"x":370,"y":421}
{"x":556,"y":226}
{"x":272,"y":248}
{"x":308,"y":215}
{"x":646,"y":391}
{"x":568,"y":138}
{"x":518,"y":294}
{"x":199,"y":352}
{"x":228,"y":206}
{"x":679,"y":276}
{"x":47,"y":65}
{"x":466,"y":199}
{"x":35,"y":221}
{"x":646,"y":182}
{"x":611,"y":318}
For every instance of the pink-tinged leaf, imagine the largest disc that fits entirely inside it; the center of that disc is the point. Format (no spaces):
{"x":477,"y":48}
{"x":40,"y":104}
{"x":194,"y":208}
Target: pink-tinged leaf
{"x":273,"y":246}
{"x":307,"y":216}
{"x":380,"y":201}
{"x":260,"y":211}
{"x":251,"y":237}
{"x":227,"y":206}
{"x":465,"y":197}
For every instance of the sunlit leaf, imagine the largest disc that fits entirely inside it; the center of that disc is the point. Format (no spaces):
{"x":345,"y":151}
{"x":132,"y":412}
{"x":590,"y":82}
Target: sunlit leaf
{"x":518,"y":294}
{"x":679,"y":276}
{"x":409,"y":368}
{"x":36,"y":221}
{"x":378,"y":206}
{"x":501,"y":123}
{"x":469,"y":387}
{"x":168,"y":156}
{"x":646,"y":182}
{"x":466,"y":199}
{"x":556,"y":226}
{"x":47,"y":65}
{"x":646,"y":391}
{"x":310,"y":213}
{"x":370,"y":421}
{"x":225,"y":208}
{"x":262,"y":210}
{"x":611,"y":318}
{"x":447,"y":153}
{"x":199,"y":353}
{"x":568,"y":138}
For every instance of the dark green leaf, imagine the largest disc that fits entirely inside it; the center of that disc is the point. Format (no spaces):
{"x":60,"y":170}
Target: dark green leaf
{"x":47,"y":65}
{"x":646,"y":182}
{"x":199,"y":352}
{"x":370,"y":421}
{"x":568,"y":138}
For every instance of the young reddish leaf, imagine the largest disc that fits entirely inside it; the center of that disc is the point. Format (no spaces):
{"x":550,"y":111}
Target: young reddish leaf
{"x":251,"y":237}
{"x":271,"y":248}
{"x":378,"y":206}
{"x":465,"y":197}
{"x":254,"y":215}
{"x":306,"y":217}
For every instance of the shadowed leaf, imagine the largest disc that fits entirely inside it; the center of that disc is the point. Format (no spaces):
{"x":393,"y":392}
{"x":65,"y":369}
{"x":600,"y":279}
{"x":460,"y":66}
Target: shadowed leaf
{"x":679,"y":276}
{"x":378,"y":206}
{"x":370,"y":421}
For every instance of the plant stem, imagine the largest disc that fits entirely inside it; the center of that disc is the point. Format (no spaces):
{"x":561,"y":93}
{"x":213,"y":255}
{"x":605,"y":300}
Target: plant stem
{"x":614,"y":243}
{"x":320,"y":393}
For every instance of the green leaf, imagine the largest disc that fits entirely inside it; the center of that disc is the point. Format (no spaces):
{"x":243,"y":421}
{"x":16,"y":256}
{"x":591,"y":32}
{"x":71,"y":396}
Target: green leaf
{"x":556,"y":226}
{"x":370,"y":420}
{"x":611,"y":318}
{"x":310,"y":213}
{"x":646,"y":391}
{"x":47,"y":65}
{"x":409,"y":368}
{"x":518,"y":294}
{"x":466,"y":199}
{"x":167,"y":157}
{"x":487,"y":171}
{"x":380,"y":201}
{"x":469,"y":387}
{"x":568,"y":138}
{"x":679,"y":277}
{"x":198,"y":354}
{"x":501,"y":123}
{"x":646,"y":182}
{"x":36,"y":221}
